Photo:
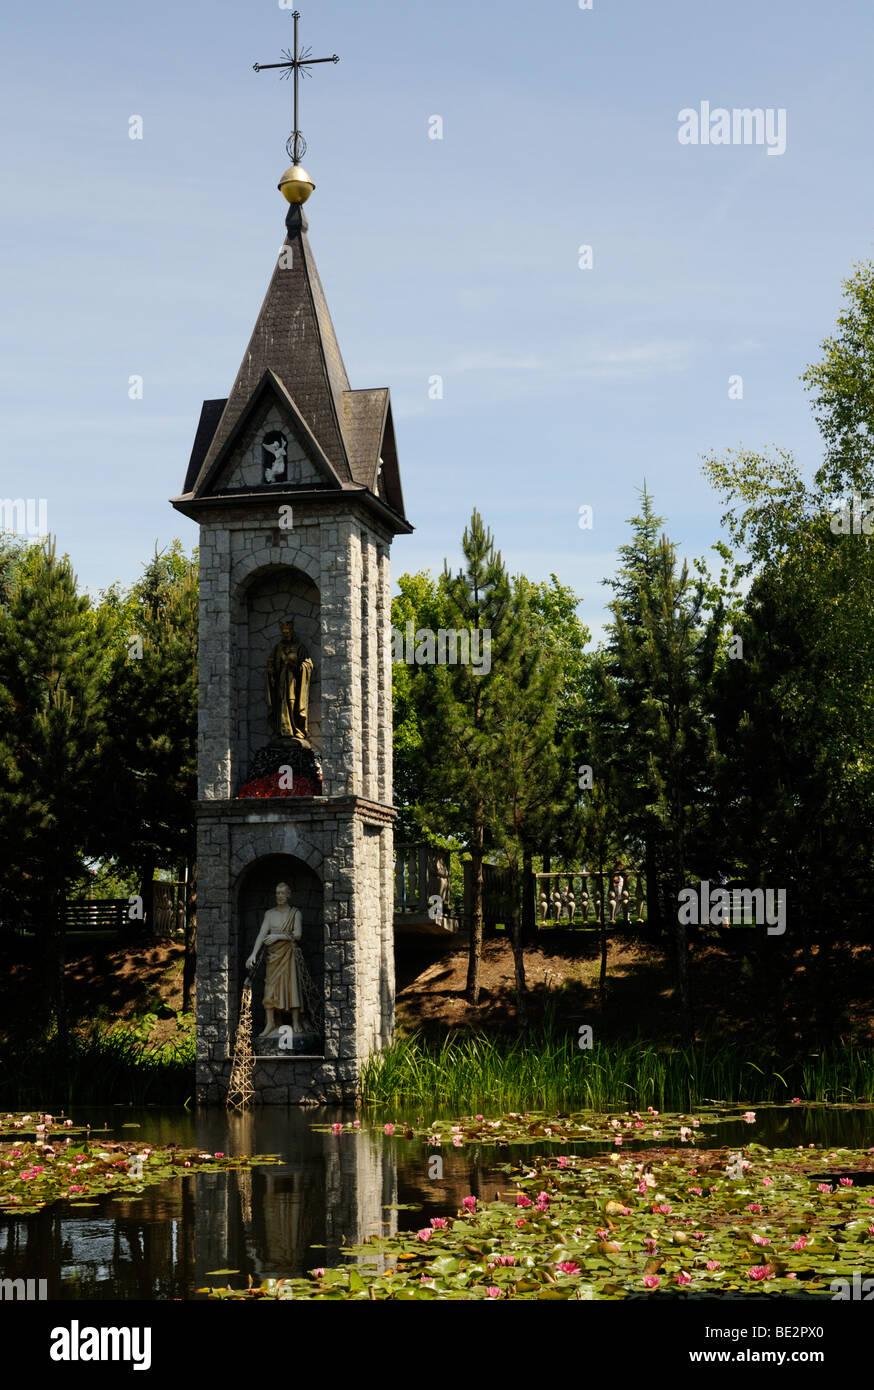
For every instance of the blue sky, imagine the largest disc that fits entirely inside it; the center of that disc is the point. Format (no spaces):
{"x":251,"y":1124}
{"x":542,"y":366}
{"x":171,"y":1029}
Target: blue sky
{"x":455,"y":257}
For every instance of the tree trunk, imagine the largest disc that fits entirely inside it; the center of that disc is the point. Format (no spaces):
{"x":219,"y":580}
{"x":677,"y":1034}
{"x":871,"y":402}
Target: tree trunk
{"x":602,"y":977}
{"x":476,"y":922}
{"x":190,"y":966}
{"x":57,"y":953}
{"x":518,"y":956}
{"x":653,"y":908}
{"x":529,"y":911}
{"x":147,"y":893}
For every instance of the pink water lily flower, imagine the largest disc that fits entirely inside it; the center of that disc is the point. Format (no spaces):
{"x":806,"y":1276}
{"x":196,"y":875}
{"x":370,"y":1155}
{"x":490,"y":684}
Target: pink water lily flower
{"x":439,"y":1223}
{"x":425,"y":1233}
{"x":469,"y":1203}
{"x":521,"y":1221}
{"x":650,"y":1243}
{"x":562,"y":1161}
{"x":568,"y":1267}
{"x":493,"y":1291}
{"x":523,"y":1201}
{"x":336,"y":1129}
{"x":749,"y":1116}
{"x":651,"y":1281}
{"x":760,"y":1272}
{"x":356,"y":1124}
{"x":761,"y":1240}
{"x":755,"y":1208}
{"x":845,"y":1182}
{"x":506,"y":1259}
{"x":712,"y":1264}
{"x":684,"y":1278}
{"x":661,"y":1208}
{"x":800,"y":1243}
{"x":823,"y":1187}
{"x":318,"y":1273}
{"x":698,"y":1191}
{"x":389,"y":1128}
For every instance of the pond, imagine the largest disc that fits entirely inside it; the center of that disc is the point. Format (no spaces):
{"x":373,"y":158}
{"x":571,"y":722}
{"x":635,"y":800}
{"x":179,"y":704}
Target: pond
{"x":330,"y":1191}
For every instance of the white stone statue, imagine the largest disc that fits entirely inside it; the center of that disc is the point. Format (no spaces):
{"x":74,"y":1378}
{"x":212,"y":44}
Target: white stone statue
{"x":277,"y":468}
{"x":280,"y":932}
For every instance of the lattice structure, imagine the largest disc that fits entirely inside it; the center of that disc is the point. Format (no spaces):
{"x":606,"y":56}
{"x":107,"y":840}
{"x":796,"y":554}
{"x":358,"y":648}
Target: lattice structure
{"x":241,"y":1090}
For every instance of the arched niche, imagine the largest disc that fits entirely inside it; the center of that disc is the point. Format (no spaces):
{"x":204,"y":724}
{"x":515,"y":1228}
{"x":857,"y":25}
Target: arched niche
{"x":255,"y":893}
{"x":274,"y":594}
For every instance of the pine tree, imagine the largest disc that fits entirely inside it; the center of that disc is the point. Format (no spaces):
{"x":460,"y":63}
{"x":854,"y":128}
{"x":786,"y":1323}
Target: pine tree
{"x":528,"y":778}
{"x":667,"y":661}
{"x":636,"y":575}
{"x":51,"y":744}
{"x":455,"y":703}
{"x":152,"y":727}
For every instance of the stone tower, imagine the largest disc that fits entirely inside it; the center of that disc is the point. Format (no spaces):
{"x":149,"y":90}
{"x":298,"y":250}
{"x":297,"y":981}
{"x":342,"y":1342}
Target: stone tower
{"x":294,"y":483}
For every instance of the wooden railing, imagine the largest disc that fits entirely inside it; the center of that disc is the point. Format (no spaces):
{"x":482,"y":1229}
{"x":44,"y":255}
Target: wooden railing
{"x":101,"y":914}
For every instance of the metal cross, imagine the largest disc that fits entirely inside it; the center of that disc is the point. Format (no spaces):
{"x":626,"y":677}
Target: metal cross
{"x":296,"y":62}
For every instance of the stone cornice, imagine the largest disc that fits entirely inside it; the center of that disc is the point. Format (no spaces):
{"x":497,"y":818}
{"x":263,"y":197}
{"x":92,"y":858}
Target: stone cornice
{"x":292,"y":808}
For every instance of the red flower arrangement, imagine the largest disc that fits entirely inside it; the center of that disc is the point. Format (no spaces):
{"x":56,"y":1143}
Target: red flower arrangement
{"x":269,"y":786}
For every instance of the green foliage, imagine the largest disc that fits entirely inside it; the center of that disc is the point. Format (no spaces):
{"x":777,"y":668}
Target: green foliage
{"x":108,"y":1064}
{"x":152,"y":717}
{"x":651,"y":735}
{"x":52,"y":735}
{"x":546,"y":1067}
{"x":421,"y":603}
{"x":795,"y":716}
{"x":35,"y":1176}
{"x":842,"y":387}
{"x":592,"y":1226}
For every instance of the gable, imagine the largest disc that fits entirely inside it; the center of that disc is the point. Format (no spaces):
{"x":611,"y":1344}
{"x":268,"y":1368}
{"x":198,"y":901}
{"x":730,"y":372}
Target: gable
{"x":270,"y":447}
{"x":268,"y":454}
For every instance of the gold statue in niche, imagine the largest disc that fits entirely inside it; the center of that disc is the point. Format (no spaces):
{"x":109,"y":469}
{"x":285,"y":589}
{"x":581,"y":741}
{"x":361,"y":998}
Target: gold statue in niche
{"x":289,"y":671}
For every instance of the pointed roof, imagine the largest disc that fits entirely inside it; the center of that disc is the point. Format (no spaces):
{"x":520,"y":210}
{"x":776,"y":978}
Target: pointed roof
{"x":293,"y":353}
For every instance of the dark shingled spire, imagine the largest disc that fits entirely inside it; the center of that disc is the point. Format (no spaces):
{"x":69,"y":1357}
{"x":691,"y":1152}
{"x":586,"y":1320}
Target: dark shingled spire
{"x":295,"y":338}
{"x":294,"y":345}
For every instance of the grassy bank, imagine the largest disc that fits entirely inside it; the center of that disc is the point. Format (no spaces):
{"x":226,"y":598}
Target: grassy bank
{"x":101,"y":1067}
{"x":548,"y":1069}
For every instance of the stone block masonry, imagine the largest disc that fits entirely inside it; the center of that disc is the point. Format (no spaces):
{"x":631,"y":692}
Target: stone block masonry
{"x":330,"y":575}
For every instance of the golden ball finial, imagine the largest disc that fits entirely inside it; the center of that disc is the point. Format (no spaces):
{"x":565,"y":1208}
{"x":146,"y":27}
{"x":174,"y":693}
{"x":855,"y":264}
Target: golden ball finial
{"x":296,"y":184}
